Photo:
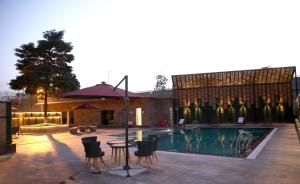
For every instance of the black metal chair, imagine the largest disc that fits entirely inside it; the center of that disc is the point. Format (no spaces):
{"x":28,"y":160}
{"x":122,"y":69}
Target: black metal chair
{"x":93,"y":151}
{"x":155,"y":139}
{"x":144,"y":151}
{"x":91,"y":138}
{"x":16,"y":131}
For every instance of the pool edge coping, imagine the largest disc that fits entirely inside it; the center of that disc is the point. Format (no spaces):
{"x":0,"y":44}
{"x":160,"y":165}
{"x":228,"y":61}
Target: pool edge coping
{"x":260,"y":147}
{"x":253,"y":154}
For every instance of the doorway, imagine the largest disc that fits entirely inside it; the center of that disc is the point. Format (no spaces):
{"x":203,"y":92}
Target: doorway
{"x":71,"y":118}
{"x":107,"y":117}
{"x":64,"y":118}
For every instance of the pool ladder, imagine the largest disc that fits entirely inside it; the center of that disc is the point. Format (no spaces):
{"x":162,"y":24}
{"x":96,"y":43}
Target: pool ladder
{"x":195,"y":125}
{"x":243,"y":135}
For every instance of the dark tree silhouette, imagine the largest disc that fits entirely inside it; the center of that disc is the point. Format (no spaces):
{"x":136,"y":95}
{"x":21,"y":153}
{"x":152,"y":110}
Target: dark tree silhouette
{"x":45,"y":66}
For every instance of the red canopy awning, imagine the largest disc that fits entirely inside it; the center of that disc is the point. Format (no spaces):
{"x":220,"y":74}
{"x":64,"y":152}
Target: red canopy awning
{"x":100,"y":91}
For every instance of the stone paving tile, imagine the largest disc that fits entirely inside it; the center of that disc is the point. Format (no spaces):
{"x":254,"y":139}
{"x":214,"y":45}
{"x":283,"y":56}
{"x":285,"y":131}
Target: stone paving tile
{"x":57,"y":158}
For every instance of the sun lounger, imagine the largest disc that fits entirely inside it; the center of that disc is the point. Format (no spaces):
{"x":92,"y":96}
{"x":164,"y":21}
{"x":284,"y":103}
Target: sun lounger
{"x":181,"y":122}
{"x":241,"y":120}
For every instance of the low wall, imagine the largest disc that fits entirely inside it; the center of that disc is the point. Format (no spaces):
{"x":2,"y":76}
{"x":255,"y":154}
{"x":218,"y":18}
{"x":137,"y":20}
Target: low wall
{"x":44,"y":129}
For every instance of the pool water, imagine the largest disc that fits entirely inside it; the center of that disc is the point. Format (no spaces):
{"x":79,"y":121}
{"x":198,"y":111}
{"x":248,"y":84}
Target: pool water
{"x":216,"y":141}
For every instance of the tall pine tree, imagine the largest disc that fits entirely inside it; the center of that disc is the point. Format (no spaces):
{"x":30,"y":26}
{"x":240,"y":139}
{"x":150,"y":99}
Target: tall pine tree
{"x":45,"y":65}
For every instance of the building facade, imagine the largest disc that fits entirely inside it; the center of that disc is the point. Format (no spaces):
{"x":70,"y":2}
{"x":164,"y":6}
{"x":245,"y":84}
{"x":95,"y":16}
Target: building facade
{"x":257,"y":95}
{"x":261,"y":95}
{"x":142,"y":111}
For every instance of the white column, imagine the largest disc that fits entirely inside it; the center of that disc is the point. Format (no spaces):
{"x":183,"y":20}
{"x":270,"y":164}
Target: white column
{"x":138,"y":116}
{"x":171,"y":116}
{"x":68,"y":117}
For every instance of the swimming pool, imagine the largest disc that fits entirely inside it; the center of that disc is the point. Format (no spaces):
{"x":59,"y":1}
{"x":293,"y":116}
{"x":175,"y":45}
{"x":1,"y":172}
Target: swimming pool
{"x":215,"y":141}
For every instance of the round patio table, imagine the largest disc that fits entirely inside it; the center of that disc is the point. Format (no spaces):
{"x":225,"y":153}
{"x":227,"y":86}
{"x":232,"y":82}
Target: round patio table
{"x":116,"y":151}
{"x":115,"y":142}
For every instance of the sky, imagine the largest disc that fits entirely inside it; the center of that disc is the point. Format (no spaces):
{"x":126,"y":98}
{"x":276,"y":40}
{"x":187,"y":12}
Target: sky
{"x":142,"y":38}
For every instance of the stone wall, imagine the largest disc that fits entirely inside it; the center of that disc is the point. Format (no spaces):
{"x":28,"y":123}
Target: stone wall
{"x":156,"y":109}
{"x":86,"y":117}
{"x":44,"y":129}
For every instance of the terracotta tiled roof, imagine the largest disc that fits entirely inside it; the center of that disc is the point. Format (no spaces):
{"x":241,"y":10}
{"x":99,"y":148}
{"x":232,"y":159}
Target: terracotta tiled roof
{"x":100,"y":91}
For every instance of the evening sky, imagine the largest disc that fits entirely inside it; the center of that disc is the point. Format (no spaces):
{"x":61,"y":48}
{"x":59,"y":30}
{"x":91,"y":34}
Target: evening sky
{"x":145,"y":38}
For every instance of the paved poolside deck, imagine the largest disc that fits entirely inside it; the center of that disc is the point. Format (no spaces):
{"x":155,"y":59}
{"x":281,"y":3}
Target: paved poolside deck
{"x":57,"y":158}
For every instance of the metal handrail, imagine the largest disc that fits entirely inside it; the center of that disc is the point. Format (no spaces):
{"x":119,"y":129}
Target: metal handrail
{"x":195,"y":125}
{"x":243,"y":135}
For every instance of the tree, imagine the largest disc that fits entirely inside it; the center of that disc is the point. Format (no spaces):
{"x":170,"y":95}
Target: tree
{"x":45,"y":66}
{"x":161,"y":82}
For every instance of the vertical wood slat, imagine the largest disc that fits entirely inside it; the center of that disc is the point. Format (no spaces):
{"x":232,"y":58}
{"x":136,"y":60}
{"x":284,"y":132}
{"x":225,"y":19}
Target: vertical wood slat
{"x":270,"y":83}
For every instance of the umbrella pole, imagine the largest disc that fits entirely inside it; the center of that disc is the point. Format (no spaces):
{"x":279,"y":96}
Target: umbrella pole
{"x":126,"y":125}
{"x":126,"y":166}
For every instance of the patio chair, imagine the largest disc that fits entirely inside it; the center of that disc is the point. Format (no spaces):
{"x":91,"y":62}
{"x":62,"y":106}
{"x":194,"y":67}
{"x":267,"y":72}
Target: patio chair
{"x":144,"y":151}
{"x":181,"y":122}
{"x":155,"y":139}
{"x":91,"y":139}
{"x":93,"y":151}
{"x":240,"y":120}
{"x":16,"y":131}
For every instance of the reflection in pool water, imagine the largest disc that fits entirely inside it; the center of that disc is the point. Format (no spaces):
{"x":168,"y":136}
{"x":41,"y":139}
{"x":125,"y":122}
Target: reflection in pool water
{"x":217,"y":141}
